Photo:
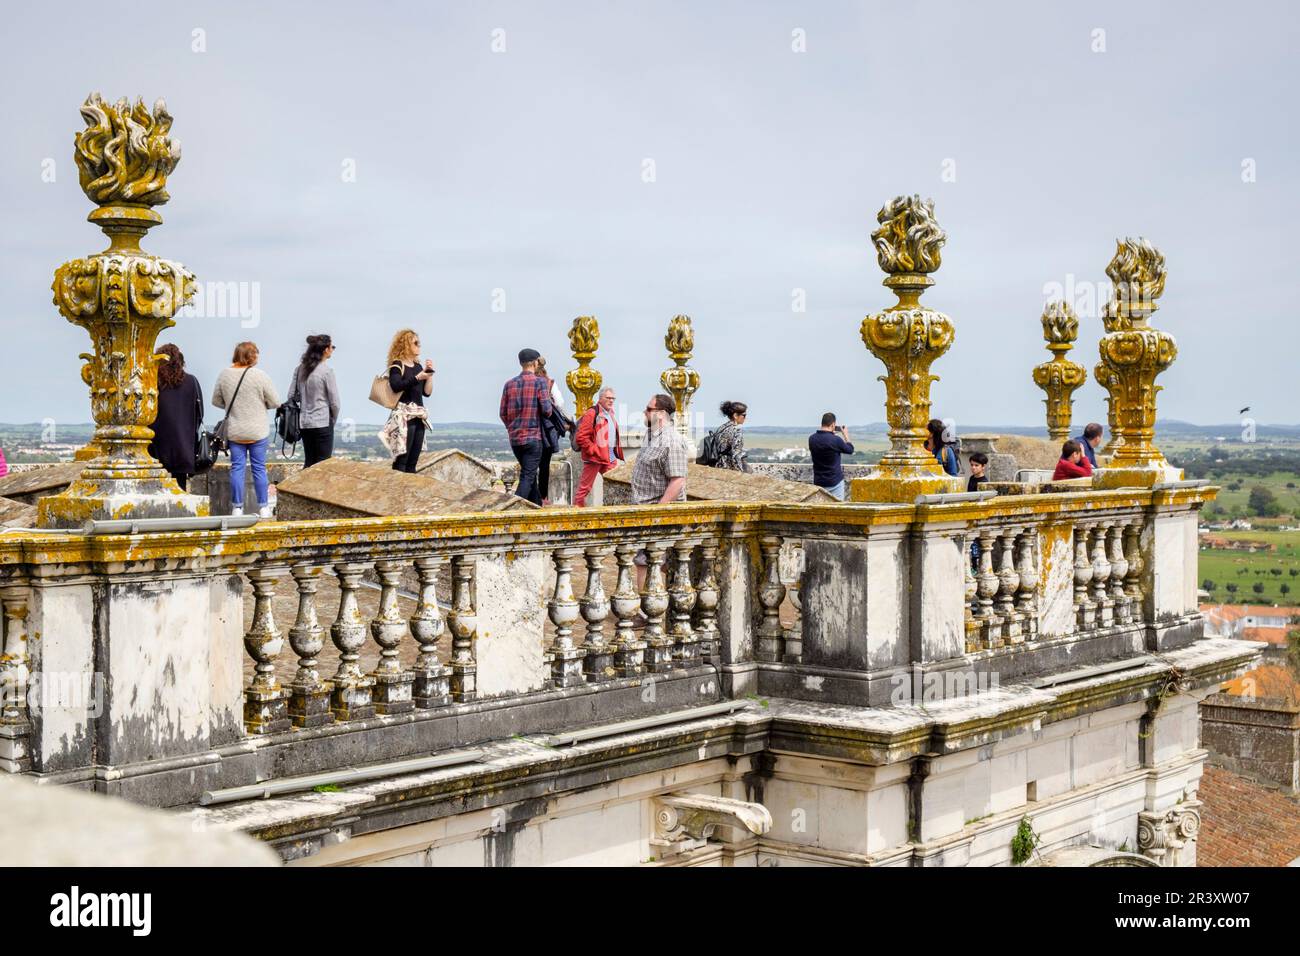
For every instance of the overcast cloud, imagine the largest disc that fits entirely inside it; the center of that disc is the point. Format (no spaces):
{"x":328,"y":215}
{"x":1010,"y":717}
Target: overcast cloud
{"x":522,"y":171}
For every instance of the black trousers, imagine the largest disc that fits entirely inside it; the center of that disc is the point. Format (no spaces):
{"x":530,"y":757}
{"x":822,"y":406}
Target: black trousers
{"x":414,"y":442}
{"x":529,"y":457}
{"x":317,"y":444}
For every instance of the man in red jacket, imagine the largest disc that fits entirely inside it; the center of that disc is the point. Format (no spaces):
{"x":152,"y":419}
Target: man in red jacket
{"x":599,"y":442}
{"x":1072,"y":463}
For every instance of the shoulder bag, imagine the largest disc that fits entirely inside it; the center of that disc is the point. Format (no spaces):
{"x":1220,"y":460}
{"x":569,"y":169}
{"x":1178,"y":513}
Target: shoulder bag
{"x":288,"y":417}
{"x":219,"y":437}
{"x":381,"y":393}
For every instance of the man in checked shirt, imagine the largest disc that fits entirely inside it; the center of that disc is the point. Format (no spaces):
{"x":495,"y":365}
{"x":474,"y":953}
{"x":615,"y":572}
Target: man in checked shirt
{"x":525,"y":401}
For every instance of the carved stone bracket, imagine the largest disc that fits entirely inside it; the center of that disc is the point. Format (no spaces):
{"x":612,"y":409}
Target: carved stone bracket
{"x":685,"y":822}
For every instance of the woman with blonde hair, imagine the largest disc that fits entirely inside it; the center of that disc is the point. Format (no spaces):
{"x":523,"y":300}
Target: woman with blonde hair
{"x":247,"y":394}
{"x":412,"y":380}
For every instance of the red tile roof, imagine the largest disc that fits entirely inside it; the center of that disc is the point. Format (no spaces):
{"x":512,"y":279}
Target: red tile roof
{"x":1244,"y":823}
{"x":1269,"y":681}
{"x":1232,"y":612}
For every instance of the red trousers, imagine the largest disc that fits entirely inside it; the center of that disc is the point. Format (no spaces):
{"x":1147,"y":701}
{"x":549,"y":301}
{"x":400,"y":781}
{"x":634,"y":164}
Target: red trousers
{"x":590,"y":469}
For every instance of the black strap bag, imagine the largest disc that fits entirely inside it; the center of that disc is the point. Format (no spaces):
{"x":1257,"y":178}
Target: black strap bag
{"x":219,"y":437}
{"x":205,"y":456}
{"x":288,"y":418}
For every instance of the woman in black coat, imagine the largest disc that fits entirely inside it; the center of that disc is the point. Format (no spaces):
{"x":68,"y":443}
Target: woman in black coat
{"x":180,"y":412}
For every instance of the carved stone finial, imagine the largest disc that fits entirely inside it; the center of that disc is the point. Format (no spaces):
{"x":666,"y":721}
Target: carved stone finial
{"x":584,"y":381}
{"x":909,"y":239}
{"x":1132,"y":355}
{"x":123,"y":297}
{"x":907,"y":337}
{"x":124,"y":155}
{"x":1059,"y":377}
{"x":1138,"y":271}
{"x":681,"y":381}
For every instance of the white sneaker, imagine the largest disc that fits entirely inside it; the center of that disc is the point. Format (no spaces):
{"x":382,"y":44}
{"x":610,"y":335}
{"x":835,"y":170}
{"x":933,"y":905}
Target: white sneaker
{"x":236,"y":511}
{"x":264,"y":511}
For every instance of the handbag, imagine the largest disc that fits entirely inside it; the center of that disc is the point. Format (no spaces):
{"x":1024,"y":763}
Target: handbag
{"x":288,"y":417}
{"x":219,"y":437}
{"x":204,"y":454}
{"x":381,"y":393}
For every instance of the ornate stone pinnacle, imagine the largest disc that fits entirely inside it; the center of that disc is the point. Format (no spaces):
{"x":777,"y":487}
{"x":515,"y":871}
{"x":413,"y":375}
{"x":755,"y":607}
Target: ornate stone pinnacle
{"x":1059,"y":377}
{"x":123,"y":297}
{"x":907,"y":337}
{"x":584,"y":381}
{"x":1132,"y":355}
{"x":681,"y":381}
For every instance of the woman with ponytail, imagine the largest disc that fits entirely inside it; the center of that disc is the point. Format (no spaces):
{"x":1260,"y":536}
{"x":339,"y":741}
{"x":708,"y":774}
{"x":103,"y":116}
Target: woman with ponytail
{"x":319,"y":397}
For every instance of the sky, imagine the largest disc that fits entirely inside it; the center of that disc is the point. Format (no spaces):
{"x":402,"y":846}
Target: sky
{"x":484,"y":172}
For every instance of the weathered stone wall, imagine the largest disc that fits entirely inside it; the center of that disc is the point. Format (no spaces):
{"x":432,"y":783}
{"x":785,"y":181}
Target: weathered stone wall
{"x":1258,"y":737}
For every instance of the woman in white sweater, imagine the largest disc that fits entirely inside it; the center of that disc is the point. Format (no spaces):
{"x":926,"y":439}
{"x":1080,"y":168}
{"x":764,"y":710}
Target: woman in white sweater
{"x":247,"y":394}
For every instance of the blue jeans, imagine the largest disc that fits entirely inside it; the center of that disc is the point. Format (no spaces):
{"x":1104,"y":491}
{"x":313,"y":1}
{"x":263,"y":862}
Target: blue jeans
{"x":839,"y":491}
{"x":239,"y":451}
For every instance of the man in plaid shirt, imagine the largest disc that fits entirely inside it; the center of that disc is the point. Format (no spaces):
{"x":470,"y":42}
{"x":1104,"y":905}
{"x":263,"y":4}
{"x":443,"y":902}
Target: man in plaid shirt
{"x":659,"y":474}
{"x":525,"y":401}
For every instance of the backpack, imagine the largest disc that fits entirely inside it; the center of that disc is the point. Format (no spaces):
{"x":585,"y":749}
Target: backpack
{"x":709,"y":450}
{"x":288,"y":417}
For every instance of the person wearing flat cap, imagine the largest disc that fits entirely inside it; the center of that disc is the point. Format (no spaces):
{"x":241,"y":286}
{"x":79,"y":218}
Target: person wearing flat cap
{"x":525,"y":402}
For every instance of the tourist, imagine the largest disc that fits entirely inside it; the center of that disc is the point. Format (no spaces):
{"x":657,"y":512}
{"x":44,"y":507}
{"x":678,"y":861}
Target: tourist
{"x":599,"y":443}
{"x":729,"y":439}
{"x":247,"y":394}
{"x":4,"y":465}
{"x":318,"y":392}
{"x":943,"y":451}
{"x":412,"y":380}
{"x":525,"y":402}
{"x":1072,"y":464}
{"x":555,"y":427}
{"x":180,"y":413}
{"x":826,"y":445}
{"x":979,"y":463}
{"x":1089,"y":441}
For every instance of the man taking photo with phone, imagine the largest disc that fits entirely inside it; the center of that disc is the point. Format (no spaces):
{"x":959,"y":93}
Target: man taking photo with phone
{"x":826,"y":445}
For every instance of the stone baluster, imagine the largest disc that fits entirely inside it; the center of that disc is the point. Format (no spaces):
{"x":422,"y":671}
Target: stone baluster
{"x":1085,"y":612}
{"x":794,"y":633}
{"x":686,"y":648}
{"x":629,"y":653}
{"x":392,"y":684}
{"x":1133,"y":577}
{"x":598,"y":659}
{"x":707,"y":595}
{"x":987,"y":581}
{"x":1100,"y":574}
{"x":265,"y":706}
{"x":563,"y":609}
{"x":432,"y":685}
{"x":1118,"y":569}
{"x":771,"y":636}
{"x":654,"y":605}
{"x":309,"y":696}
{"x":971,"y":591}
{"x":462,"y":620}
{"x":1027,"y":568}
{"x":1008,"y":584}
{"x":15,"y":719}
{"x":350,"y":690}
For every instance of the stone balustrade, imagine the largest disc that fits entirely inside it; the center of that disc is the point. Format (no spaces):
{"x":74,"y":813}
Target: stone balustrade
{"x":501,"y":622}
